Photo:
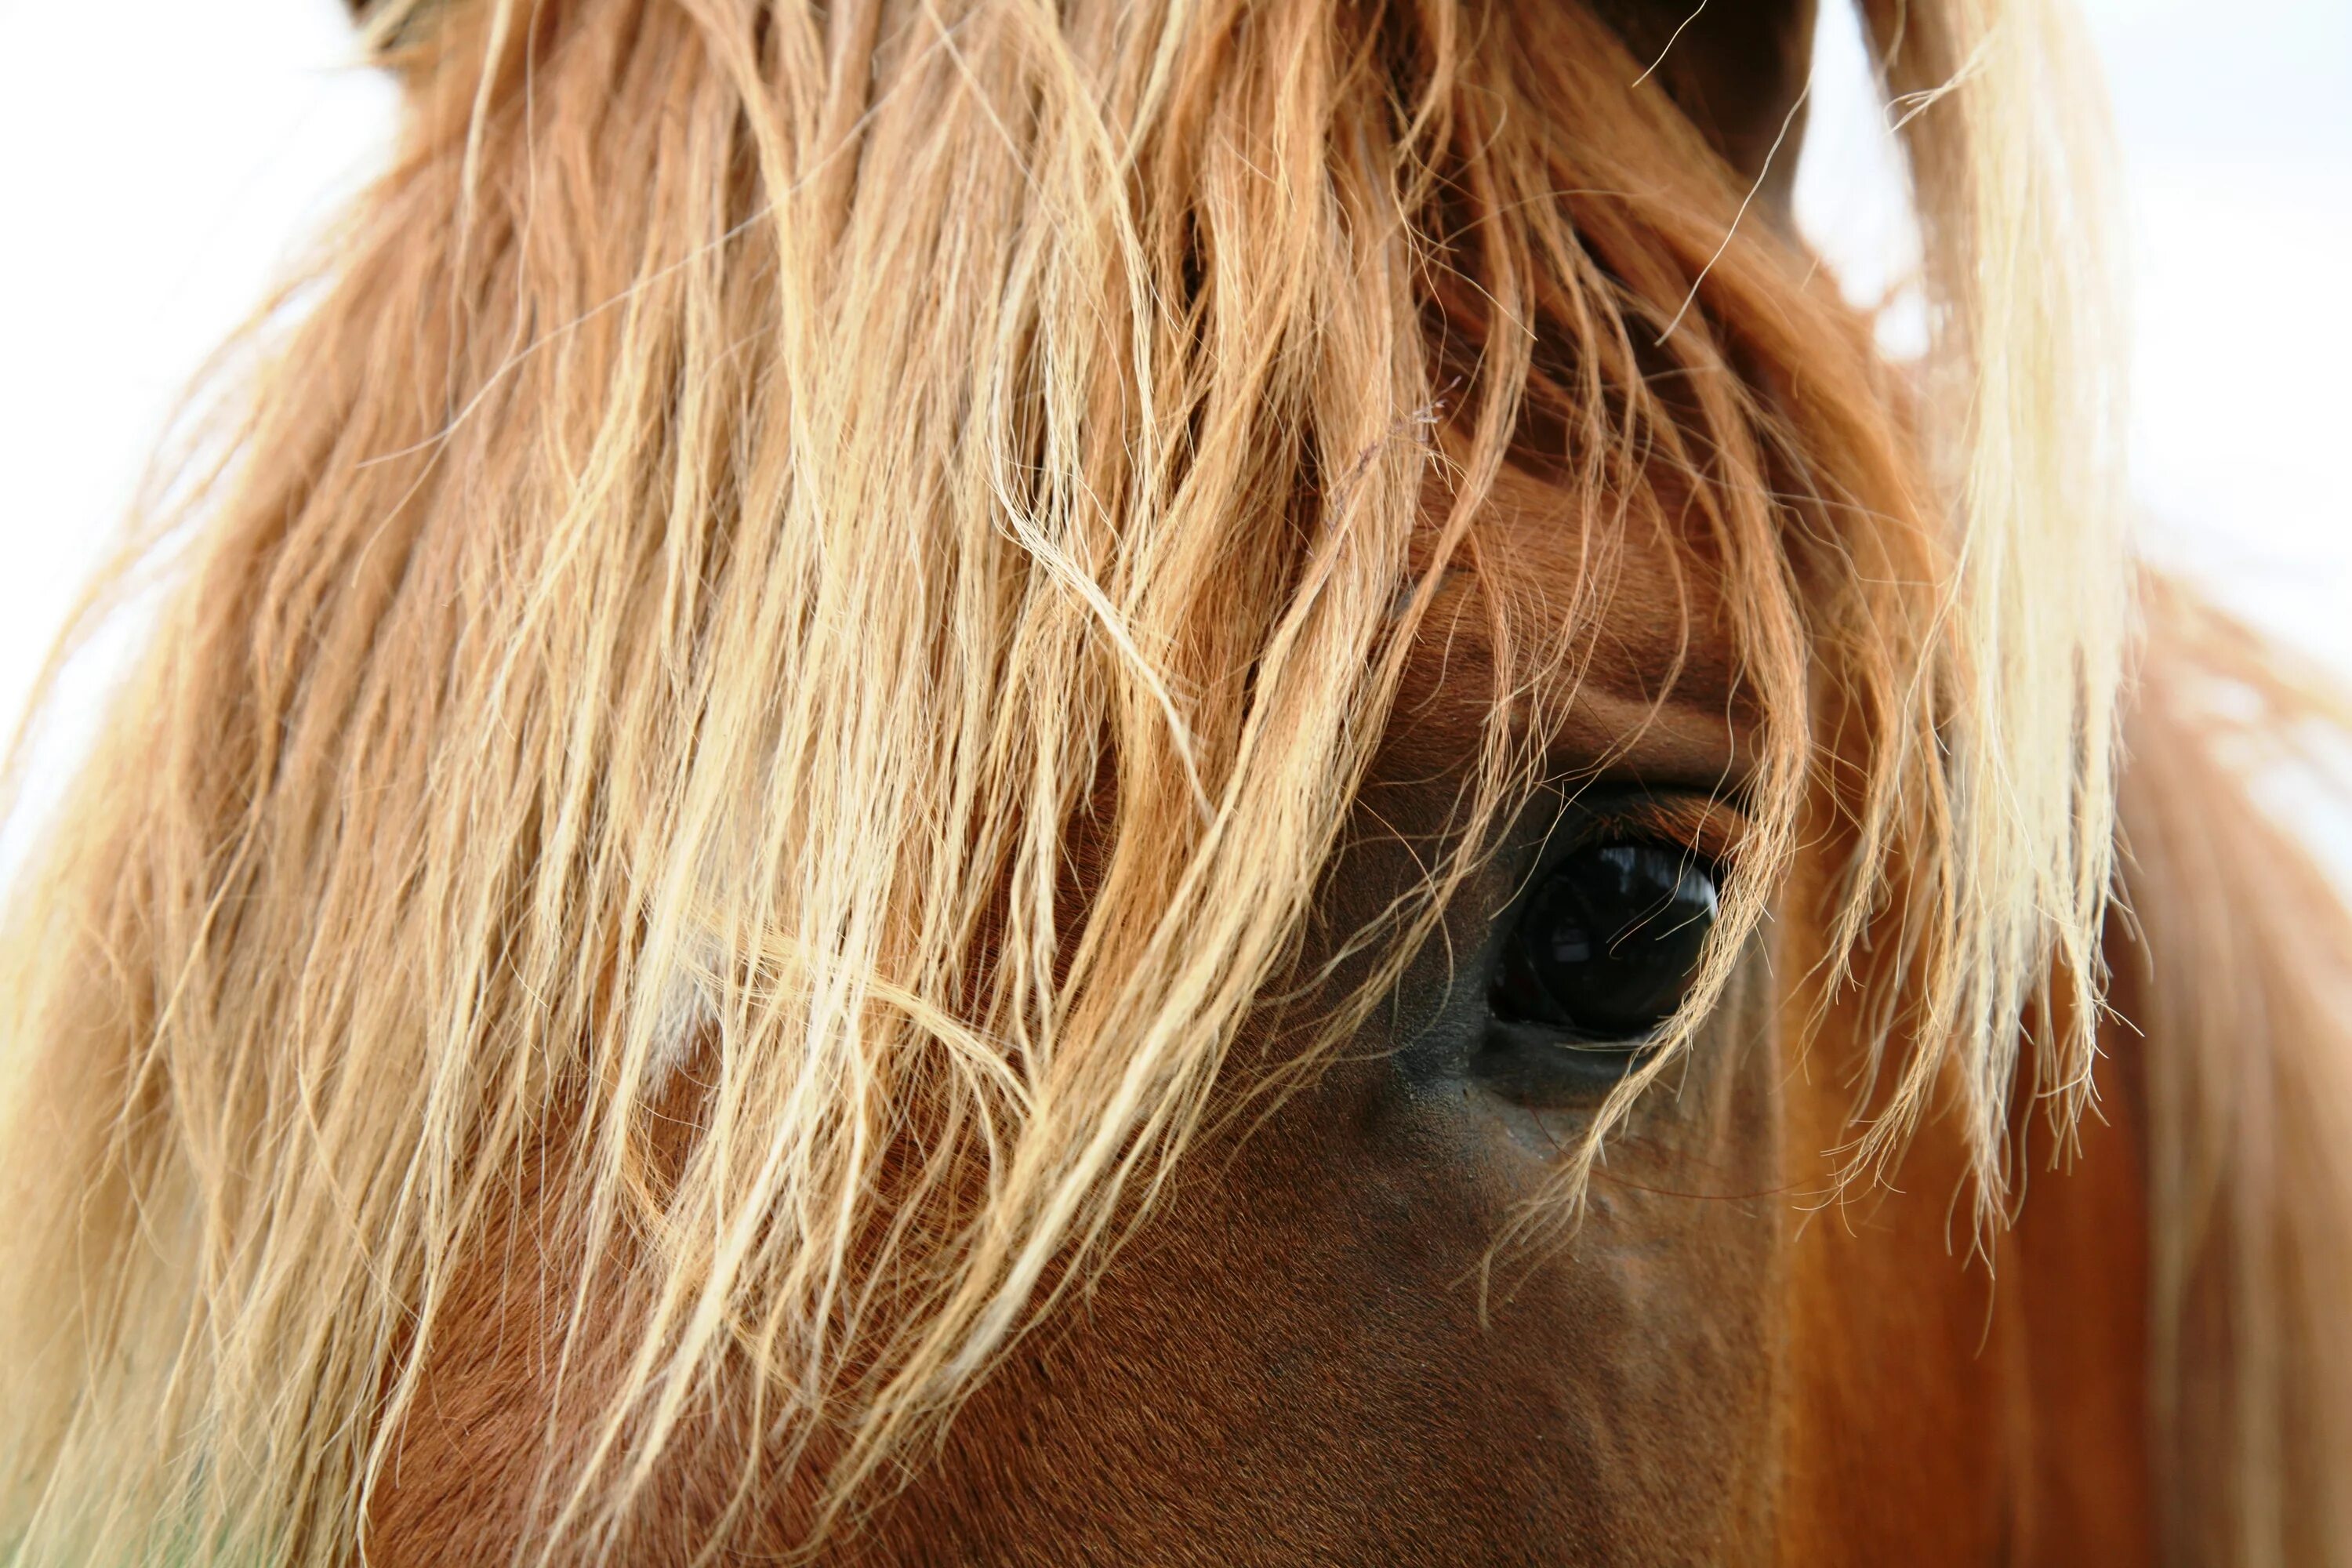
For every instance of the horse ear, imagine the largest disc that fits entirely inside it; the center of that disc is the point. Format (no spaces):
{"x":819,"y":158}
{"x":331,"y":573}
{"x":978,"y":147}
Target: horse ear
{"x":1737,"y":68}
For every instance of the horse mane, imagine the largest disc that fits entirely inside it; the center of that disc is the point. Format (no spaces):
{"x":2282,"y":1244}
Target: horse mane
{"x":839,"y":568}
{"x":2236,"y":966}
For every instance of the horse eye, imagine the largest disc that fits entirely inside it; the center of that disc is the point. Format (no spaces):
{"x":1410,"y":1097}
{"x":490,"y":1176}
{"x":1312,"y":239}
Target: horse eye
{"x":1608,"y":943}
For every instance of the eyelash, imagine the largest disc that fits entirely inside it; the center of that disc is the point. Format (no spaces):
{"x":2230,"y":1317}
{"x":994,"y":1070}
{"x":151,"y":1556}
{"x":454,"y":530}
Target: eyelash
{"x":1705,"y":827}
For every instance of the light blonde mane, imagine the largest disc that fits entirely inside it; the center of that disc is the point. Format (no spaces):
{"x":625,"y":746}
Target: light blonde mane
{"x":853,"y":558}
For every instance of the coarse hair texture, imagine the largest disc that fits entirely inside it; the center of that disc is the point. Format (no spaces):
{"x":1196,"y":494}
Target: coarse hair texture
{"x":841,"y":565}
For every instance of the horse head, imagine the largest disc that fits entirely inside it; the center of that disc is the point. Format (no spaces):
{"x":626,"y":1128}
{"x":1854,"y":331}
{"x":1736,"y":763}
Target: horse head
{"x":1209,"y":783}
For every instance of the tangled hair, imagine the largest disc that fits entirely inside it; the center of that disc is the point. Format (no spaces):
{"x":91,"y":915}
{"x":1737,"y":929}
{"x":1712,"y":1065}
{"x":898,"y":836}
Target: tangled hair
{"x":830,"y":574}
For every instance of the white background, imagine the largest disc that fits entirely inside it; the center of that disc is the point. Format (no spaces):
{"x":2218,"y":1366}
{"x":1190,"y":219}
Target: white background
{"x":160,"y":160}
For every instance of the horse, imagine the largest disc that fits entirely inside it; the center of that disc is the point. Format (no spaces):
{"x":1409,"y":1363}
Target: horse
{"x":1198,"y":782}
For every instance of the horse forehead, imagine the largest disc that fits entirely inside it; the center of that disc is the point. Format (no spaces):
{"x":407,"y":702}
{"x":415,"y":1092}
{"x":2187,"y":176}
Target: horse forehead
{"x":1641,"y":612}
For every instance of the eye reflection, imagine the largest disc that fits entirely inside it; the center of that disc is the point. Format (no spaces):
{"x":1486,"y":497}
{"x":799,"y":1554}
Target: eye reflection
{"x":1609,"y":943}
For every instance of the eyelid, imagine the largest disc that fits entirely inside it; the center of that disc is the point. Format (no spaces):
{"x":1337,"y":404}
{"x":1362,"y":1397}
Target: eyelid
{"x":1709,"y":827}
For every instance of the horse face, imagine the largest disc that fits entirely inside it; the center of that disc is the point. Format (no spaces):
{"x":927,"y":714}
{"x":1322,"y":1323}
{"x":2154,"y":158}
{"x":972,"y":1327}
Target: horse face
{"x":1322,"y":1348}
{"x":1314,"y":1353}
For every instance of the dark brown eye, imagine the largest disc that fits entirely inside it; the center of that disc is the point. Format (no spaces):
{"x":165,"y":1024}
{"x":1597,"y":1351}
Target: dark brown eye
{"x":1608,"y":943}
